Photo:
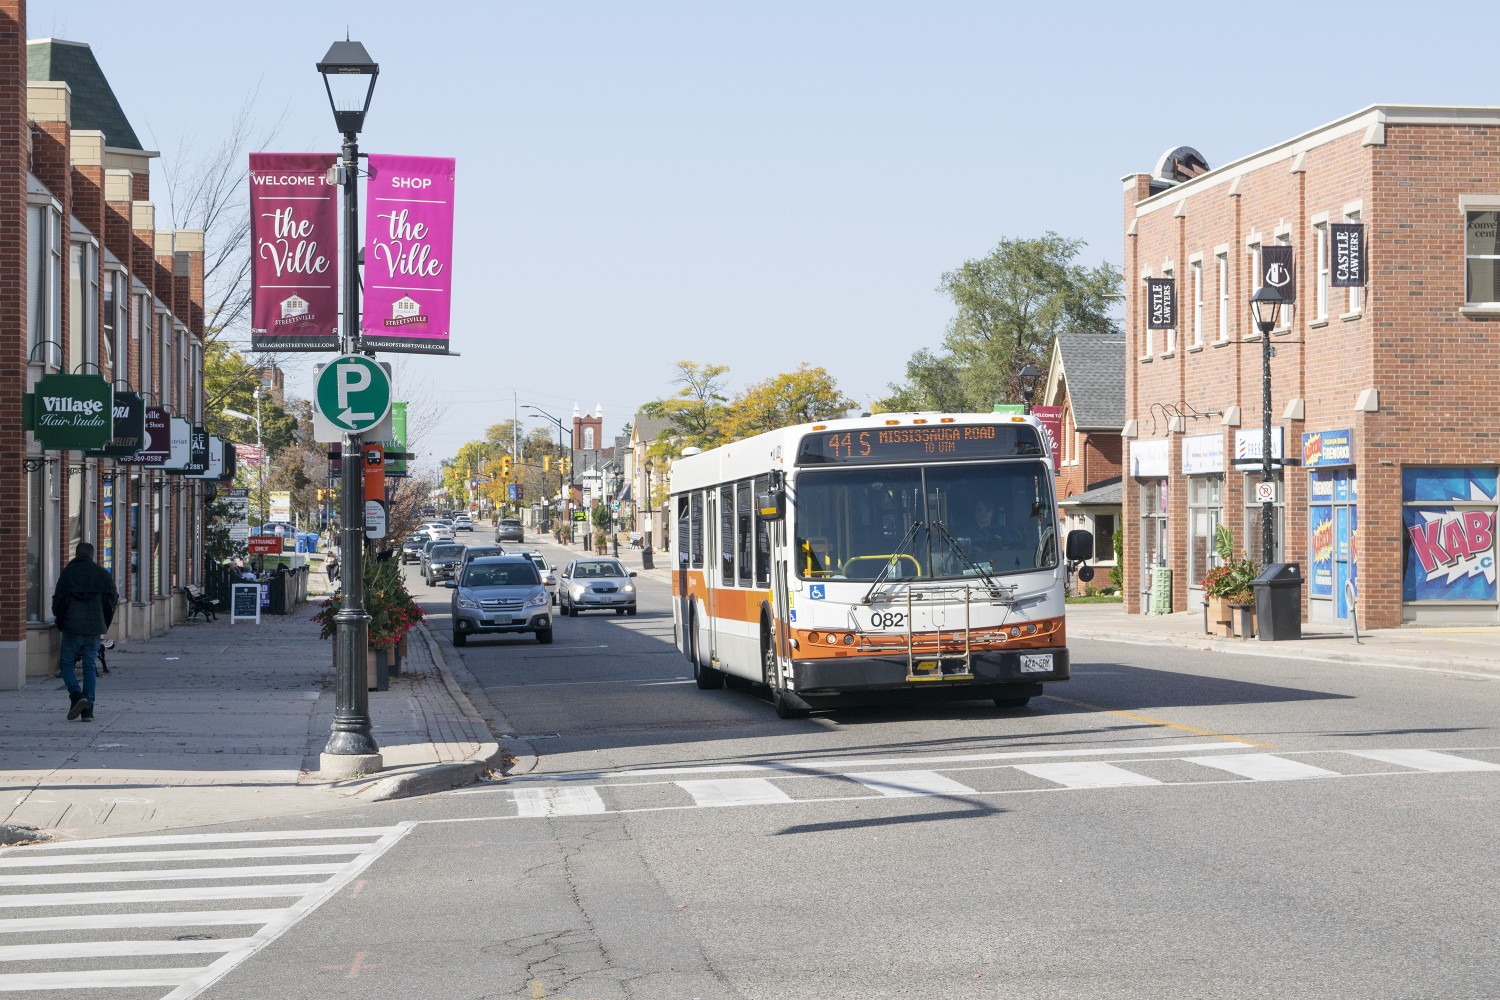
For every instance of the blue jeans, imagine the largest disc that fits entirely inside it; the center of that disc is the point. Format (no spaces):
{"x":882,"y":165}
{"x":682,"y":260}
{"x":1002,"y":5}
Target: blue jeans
{"x":72,"y":643}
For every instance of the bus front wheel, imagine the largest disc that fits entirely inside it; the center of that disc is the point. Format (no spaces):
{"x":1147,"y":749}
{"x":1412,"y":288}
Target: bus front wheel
{"x":706,"y":678}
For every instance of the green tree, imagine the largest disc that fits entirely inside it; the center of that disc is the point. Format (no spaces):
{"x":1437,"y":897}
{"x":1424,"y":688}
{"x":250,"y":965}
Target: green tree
{"x":1009,"y":304}
{"x":697,"y":410}
{"x":798,"y":397}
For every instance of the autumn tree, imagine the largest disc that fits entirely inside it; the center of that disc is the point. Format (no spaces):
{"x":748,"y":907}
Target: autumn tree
{"x":1009,"y":306}
{"x":798,"y":397}
{"x":697,"y":410}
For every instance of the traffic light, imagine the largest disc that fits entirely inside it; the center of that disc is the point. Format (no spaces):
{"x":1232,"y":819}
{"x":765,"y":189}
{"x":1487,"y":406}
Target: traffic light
{"x":505,"y":466}
{"x":546,"y":463}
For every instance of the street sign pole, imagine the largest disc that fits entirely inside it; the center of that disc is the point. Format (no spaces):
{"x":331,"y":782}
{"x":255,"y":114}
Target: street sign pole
{"x":351,"y":746}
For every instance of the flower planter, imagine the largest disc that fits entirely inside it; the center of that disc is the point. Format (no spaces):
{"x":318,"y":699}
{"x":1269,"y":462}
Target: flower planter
{"x":377,"y":667}
{"x":1244,"y":620}
{"x":1217,"y":619}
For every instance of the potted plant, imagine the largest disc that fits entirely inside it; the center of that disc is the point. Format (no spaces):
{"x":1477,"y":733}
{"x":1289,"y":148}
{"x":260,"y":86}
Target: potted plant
{"x":393,"y":612}
{"x":1226,"y":585}
{"x":600,"y":515}
{"x":1242,"y":608}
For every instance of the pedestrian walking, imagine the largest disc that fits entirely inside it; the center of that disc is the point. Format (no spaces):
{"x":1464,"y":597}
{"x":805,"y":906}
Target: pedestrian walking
{"x":83,"y":606}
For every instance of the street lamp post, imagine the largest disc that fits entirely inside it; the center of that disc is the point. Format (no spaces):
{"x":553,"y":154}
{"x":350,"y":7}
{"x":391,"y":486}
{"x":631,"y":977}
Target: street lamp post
{"x":260,"y":448}
{"x":349,"y":76}
{"x":1028,"y":378}
{"x":558,"y":422}
{"x":1265,"y":304}
{"x":648,"y":559}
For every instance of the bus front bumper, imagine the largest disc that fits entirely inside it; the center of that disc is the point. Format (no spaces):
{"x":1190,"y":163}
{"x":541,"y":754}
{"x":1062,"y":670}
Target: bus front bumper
{"x":989,"y":673}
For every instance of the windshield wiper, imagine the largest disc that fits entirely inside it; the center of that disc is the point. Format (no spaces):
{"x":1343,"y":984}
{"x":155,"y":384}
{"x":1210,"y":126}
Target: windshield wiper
{"x":996,"y":591}
{"x":907,"y":539}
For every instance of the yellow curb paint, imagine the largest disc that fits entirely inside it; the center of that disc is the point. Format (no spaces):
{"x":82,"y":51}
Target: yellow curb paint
{"x":1162,"y":722}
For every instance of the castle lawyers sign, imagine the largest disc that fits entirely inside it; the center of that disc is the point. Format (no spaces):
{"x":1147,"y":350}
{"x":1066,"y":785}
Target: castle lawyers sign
{"x":71,"y":411}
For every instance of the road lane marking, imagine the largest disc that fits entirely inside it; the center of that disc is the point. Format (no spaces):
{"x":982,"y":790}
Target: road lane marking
{"x":734,"y":792}
{"x":1263,"y":767}
{"x":99,"y":949}
{"x":198,"y":838}
{"x":788,"y":768}
{"x":157,"y":895}
{"x":118,"y":921}
{"x":1090,"y":774}
{"x":227,"y":854}
{"x":897,"y":784}
{"x":1137,"y":717}
{"x":169,"y":874}
{"x":557,"y":801}
{"x":94,"y":979}
{"x":1427,"y":760}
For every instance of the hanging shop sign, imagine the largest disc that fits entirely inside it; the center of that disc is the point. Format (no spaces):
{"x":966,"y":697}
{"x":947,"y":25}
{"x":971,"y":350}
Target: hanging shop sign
{"x":1149,"y":459}
{"x":397,"y":443}
{"x":408,"y":254}
{"x":197,"y":461}
{"x":129,"y":427}
{"x":214,"y":464}
{"x":294,"y":252}
{"x":157,"y":449}
{"x":70,"y":411}
{"x":1349,"y":269}
{"x":231,"y":463}
{"x":1278,"y":270}
{"x":182,"y":446}
{"x":1203,"y":454}
{"x":1251,"y":444}
{"x":1324,"y":448}
{"x":1161,"y":303}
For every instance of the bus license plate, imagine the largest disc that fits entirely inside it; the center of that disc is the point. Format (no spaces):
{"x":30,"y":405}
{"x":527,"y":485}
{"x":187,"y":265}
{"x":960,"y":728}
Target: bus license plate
{"x":1036,"y":663}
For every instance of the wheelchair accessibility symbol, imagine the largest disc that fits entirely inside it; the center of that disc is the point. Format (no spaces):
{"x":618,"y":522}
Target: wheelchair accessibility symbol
{"x":815,"y":591}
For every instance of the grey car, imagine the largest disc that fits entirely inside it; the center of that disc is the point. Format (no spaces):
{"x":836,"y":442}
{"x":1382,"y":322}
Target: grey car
{"x":442,"y":562}
{"x":549,"y":575}
{"x":509,"y":530}
{"x":596,"y":585}
{"x":498,"y":594}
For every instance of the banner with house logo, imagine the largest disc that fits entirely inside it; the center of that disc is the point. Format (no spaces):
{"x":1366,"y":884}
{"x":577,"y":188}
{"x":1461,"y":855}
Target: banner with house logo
{"x":1052,"y":420}
{"x":408,"y":254}
{"x":294,"y":258}
{"x":1277,"y":270}
{"x":1348,"y":239}
{"x":1161,"y":303}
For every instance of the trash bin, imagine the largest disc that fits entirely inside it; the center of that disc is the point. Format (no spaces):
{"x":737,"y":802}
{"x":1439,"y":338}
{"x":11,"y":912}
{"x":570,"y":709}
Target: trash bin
{"x":1161,"y":591}
{"x":1278,"y":601}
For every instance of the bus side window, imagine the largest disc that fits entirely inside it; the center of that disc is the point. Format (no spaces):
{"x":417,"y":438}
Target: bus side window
{"x":695,"y":531}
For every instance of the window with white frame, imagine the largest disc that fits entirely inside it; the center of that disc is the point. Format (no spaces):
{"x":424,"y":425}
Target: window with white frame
{"x":1356,"y":293}
{"x":44,"y":285}
{"x":1320,"y":272}
{"x":142,"y":336}
{"x":1222,"y":260}
{"x":116,"y":322}
{"x":1482,"y":256}
{"x":83,"y":307}
{"x":1196,"y":267}
{"x":164,"y":347}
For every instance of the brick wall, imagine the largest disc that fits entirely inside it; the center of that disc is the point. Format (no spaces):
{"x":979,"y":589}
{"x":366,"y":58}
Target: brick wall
{"x":14,"y":152}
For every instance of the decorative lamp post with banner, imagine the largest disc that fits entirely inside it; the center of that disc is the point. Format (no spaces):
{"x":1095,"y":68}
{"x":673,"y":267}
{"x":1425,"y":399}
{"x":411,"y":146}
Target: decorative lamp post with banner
{"x":1028,"y":378}
{"x":1266,"y":304}
{"x":349,"y":76}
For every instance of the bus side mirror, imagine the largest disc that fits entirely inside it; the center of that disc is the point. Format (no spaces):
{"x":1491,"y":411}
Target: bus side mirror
{"x":1080,"y":545}
{"x":771,"y":505}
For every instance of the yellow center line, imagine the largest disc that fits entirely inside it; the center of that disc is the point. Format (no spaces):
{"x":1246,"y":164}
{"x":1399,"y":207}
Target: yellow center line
{"x":1136,"y":717}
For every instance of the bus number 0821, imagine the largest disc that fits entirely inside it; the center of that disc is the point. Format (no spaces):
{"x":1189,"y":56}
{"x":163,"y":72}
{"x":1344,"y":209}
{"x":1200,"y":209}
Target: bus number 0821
{"x":887,"y":619}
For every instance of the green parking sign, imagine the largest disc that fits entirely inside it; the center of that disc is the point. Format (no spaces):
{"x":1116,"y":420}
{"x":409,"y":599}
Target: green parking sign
{"x":353,"y":393}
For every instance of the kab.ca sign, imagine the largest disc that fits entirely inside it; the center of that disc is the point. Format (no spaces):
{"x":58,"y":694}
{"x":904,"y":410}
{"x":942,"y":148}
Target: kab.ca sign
{"x":71,"y":411}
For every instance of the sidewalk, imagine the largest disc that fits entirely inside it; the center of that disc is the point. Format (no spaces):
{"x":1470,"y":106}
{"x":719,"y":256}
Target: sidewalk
{"x":214,"y":723}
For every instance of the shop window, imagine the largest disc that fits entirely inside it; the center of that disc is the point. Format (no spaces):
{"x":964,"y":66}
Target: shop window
{"x":44,"y":286}
{"x":1448,"y":551}
{"x":1197,"y":270}
{"x":1332,"y":536}
{"x":1320,"y":272}
{"x":1205,"y":514}
{"x":1104,"y":538}
{"x":1222,"y":261}
{"x":1252,"y":534}
{"x":1356,"y":293}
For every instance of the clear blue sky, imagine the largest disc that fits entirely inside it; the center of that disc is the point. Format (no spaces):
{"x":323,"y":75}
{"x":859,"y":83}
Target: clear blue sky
{"x":757,"y":184}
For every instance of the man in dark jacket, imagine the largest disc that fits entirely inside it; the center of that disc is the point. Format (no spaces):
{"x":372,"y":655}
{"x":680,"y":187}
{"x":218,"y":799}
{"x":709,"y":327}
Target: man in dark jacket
{"x":83,"y":605}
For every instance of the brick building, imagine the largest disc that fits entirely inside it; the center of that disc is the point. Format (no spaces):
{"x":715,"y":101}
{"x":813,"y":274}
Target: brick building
{"x":1086,"y":381}
{"x":1384,"y":393}
{"x":88,"y":286}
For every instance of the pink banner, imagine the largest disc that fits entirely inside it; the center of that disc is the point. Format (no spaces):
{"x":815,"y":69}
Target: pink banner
{"x":1051,"y":418}
{"x":408,"y":254}
{"x":294,"y":238}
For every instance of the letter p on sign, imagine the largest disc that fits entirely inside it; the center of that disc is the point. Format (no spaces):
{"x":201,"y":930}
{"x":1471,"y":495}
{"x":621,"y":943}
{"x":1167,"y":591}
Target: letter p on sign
{"x":353,"y":393}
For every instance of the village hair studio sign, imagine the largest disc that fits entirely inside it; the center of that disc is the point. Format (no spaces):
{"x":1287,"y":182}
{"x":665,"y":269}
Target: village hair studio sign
{"x":69,"y":412}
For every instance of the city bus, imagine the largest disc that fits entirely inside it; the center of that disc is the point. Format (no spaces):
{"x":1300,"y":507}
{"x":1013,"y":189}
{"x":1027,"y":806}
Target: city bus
{"x":870,"y":559}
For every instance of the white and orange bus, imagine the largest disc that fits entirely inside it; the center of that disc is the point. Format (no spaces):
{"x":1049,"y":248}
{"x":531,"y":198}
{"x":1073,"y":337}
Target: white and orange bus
{"x":874,"y":558}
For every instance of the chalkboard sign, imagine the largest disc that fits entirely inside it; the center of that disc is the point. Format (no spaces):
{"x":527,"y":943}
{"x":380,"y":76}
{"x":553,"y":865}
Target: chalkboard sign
{"x":244,"y":602}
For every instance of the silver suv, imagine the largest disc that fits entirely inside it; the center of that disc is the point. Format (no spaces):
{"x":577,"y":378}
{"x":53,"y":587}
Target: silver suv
{"x":509,"y":530}
{"x":500,"y":594}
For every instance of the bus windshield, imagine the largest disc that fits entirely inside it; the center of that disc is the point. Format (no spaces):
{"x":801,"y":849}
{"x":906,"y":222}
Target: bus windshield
{"x":924,"y":522}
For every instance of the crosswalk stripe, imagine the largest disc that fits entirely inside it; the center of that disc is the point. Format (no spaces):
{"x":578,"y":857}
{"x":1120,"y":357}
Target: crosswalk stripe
{"x":222,"y":854}
{"x":155,"y":895}
{"x":101,"y":949}
{"x":1263,"y":767}
{"x":93,"y":979}
{"x":117,"y":921}
{"x":1086,"y":775}
{"x":895,"y":784}
{"x":201,"y":838}
{"x":734,"y":792}
{"x":558,"y":801}
{"x":169,"y":874}
{"x":1427,"y":760}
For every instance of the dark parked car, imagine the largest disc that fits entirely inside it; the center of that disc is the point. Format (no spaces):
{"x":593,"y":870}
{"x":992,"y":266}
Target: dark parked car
{"x":596,"y":584}
{"x":499,"y":594}
{"x":411,"y":549}
{"x":472,"y":552}
{"x":442,"y":562}
{"x":509,"y":530}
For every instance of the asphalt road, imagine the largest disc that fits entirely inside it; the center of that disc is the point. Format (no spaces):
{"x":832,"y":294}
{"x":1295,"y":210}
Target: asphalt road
{"x":1167,"y":824}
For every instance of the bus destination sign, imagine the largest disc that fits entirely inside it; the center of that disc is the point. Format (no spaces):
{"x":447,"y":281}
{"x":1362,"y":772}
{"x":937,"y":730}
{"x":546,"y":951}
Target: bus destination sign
{"x":920,"y":443}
